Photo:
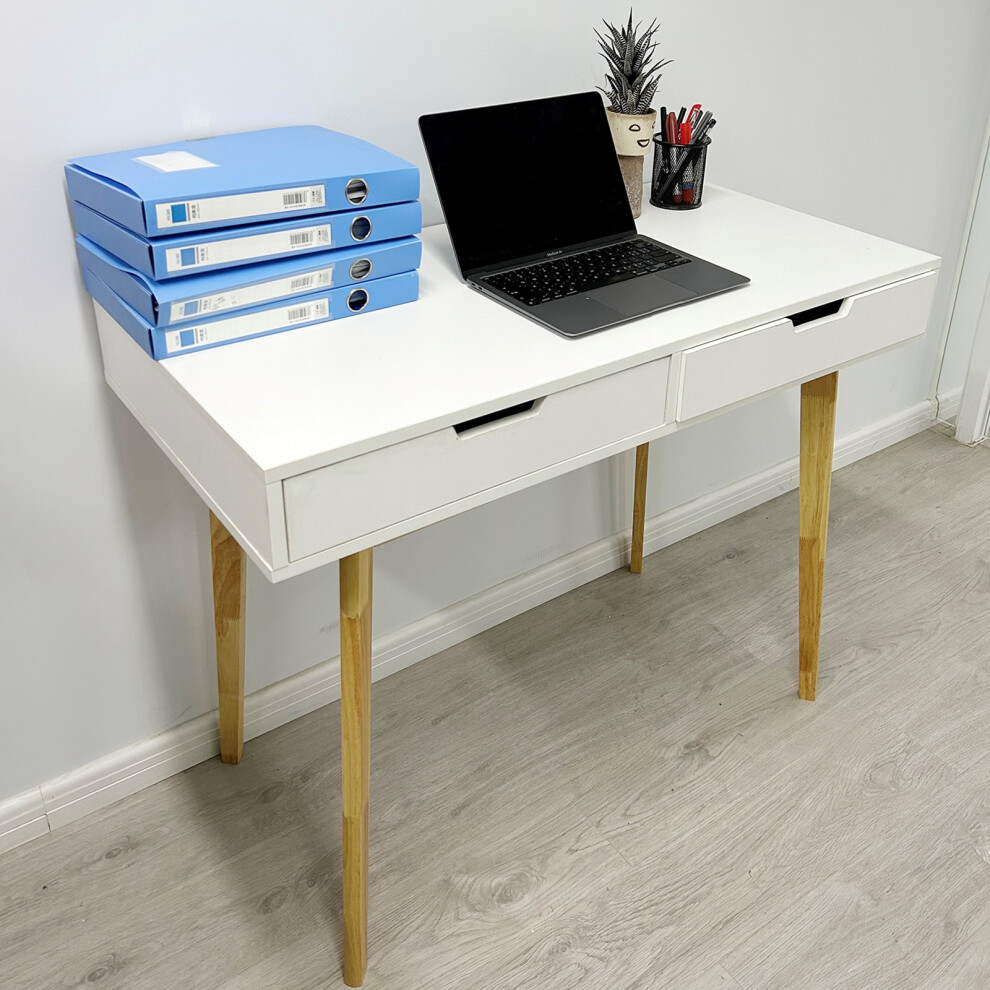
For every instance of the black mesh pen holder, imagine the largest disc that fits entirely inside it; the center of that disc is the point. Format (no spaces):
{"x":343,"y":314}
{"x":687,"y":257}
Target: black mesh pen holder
{"x":678,"y":174}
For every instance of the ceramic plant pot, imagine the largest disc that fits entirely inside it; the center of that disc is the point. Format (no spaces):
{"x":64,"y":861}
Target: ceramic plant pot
{"x":632,"y":134}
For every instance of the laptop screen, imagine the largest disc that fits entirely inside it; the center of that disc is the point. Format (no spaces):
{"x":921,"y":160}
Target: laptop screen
{"x":524,"y":179}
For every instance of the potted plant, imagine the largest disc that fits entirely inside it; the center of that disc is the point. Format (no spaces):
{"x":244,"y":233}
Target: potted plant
{"x":631,"y":81}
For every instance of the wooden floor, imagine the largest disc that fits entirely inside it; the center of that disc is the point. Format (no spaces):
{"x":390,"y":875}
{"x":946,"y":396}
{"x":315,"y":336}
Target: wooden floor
{"x":619,"y":789}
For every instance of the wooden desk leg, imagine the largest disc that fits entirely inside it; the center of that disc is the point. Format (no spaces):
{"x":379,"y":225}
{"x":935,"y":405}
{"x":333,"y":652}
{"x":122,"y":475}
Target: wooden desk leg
{"x":817,"y":439}
{"x":229,"y":594}
{"x":355,"y":754}
{"x":639,"y":508}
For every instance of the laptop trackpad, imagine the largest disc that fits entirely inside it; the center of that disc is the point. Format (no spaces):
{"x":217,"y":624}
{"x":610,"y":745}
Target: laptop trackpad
{"x":642,"y":295}
{"x":576,"y":315}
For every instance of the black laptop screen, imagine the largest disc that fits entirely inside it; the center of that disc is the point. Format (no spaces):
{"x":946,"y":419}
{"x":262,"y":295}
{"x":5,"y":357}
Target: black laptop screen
{"x":524,"y":179}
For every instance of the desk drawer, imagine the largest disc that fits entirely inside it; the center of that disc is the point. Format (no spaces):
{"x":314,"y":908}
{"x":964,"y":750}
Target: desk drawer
{"x":768,"y":357}
{"x":330,"y":506}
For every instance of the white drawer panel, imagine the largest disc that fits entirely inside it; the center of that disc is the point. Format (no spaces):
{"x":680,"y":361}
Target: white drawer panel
{"x":764,"y":358}
{"x":329,"y":506}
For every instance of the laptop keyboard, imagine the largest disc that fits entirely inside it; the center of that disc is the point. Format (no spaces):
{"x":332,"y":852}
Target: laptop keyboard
{"x":545,"y":281}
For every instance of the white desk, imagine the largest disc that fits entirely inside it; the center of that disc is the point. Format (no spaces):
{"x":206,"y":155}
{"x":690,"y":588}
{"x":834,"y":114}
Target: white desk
{"x":314,"y":446}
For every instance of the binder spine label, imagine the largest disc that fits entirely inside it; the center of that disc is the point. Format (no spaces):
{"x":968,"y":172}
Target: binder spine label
{"x":240,"y":206}
{"x":250,"y":295}
{"x":247,"y":248}
{"x":182,"y":339}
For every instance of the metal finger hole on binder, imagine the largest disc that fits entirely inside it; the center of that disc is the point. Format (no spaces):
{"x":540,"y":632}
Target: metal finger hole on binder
{"x":357,"y":299}
{"x":361,"y":228}
{"x":361,"y":269}
{"x":356,"y":191}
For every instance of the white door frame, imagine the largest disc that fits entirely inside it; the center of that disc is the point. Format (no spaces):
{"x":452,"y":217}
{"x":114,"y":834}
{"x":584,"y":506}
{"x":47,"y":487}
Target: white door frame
{"x":972,"y":304}
{"x":973,"y":419}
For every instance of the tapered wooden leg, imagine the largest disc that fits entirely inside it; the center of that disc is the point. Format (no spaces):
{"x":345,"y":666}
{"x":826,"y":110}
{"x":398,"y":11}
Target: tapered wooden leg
{"x":229,"y":598}
{"x":355,"y":725}
{"x":817,"y":438}
{"x":639,"y":508}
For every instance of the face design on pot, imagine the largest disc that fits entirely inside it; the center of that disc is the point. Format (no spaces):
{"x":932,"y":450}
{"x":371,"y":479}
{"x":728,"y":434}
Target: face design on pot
{"x":632,"y":132}
{"x":636,"y":131}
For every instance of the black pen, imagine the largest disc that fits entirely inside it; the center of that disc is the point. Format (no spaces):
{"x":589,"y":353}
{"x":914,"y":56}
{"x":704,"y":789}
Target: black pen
{"x":711,"y":123}
{"x":663,"y":137}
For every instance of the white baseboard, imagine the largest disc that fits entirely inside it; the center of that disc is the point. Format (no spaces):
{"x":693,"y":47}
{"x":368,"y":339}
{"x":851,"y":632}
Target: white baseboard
{"x":128,"y":770}
{"x":22,"y":817}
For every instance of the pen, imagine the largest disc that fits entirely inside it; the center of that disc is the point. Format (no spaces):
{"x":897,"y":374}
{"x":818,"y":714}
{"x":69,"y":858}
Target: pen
{"x":702,"y":131}
{"x":663,"y":125}
{"x":670,"y":132}
{"x":687,"y":185}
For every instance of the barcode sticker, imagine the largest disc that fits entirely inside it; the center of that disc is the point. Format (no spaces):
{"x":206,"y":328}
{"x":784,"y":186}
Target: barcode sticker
{"x":250,"y":325}
{"x":311,"y":311}
{"x":240,"y":206}
{"x":249,"y":295}
{"x":250,"y":248}
{"x":296,"y":199}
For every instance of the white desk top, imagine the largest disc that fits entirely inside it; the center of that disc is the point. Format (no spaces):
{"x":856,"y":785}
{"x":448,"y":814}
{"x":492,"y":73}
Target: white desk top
{"x":298,"y":400}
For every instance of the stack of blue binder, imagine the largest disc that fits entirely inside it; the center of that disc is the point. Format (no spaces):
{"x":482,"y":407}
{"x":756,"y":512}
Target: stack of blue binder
{"x":201,"y":243}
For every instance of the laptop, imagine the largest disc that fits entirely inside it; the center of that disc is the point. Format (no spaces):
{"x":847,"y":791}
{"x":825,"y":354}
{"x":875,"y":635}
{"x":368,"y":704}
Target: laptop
{"x":539,"y":219}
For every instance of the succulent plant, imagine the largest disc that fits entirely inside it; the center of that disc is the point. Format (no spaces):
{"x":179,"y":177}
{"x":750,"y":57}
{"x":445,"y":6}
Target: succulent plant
{"x":632,"y":81}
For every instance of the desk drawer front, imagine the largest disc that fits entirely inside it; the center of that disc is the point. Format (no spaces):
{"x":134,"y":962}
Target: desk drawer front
{"x":768,"y":357}
{"x":332,"y":505}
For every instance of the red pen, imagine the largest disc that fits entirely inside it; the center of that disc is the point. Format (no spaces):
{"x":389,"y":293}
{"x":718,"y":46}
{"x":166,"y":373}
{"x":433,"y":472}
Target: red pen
{"x":686,"y":185}
{"x":673,"y":133}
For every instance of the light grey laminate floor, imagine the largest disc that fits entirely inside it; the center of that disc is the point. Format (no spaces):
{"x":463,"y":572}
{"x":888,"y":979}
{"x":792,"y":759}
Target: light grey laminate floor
{"x":619,"y":789}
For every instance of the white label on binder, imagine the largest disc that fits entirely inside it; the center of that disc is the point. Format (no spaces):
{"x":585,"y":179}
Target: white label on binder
{"x":240,"y":206}
{"x":175,"y":161}
{"x":250,"y":295}
{"x":249,"y":248}
{"x":222,"y":331}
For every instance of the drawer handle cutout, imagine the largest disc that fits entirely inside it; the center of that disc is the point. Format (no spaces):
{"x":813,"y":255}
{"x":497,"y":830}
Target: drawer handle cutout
{"x":817,"y":312}
{"x":493,"y":417}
